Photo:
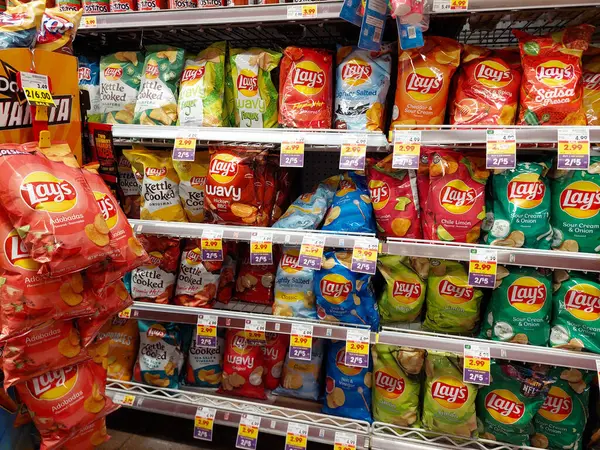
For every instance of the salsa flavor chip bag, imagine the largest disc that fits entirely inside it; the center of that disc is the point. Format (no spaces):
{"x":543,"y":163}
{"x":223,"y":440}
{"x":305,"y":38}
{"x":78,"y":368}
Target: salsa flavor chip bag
{"x":120,"y":79}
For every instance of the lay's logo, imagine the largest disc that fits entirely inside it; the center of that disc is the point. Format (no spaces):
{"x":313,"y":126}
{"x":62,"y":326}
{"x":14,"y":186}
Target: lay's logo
{"x":557,"y":406}
{"x":308,"y":78}
{"x":289,"y":261}
{"x":388,"y":385}
{"x":194,"y":256}
{"x":346,"y":370}
{"x":17,"y":254}
{"x":151,"y":70}
{"x":555,"y":73}
{"x":449,"y":392}
{"x":54,"y":384}
{"x":581,"y":199}
{"x":335,"y":288}
{"x":583,"y":302}
{"x":527,"y":295}
{"x":247,"y":83}
{"x":493,"y":74}
{"x":454,"y":293}
{"x":192,"y":74}
{"x":380,"y":194}
{"x":113,"y":72}
{"x":155,"y":258}
{"x":591,"y":81}
{"x":223,"y":168}
{"x":84,"y":74}
{"x":406,"y":292}
{"x":424,"y":83}
{"x":156,"y":332}
{"x":456,"y":197}
{"x":197,"y":182}
{"x":356,"y":72}
{"x":108,"y":208}
{"x":504,"y":406}
{"x":526,"y":194}
{"x":43,"y":191}
{"x":156,"y":172}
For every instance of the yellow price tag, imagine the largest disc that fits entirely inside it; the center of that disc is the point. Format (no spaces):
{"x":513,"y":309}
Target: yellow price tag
{"x":309,"y":11}
{"x":459,"y":4}
{"x":477,"y":363}
{"x":248,"y":431}
{"x":125,"y":314}
{"x":364,"y":254}
{"x":204,"y":422}
{"x":211,"y":244}
{"x":296,"y":440}
{"x":185,"y":143}
{"x":301,"y":341}
{"x":262,"y":247}
{"x":406,"y":148}
{"x":353,"y":149}
{"x":206,"y":330}
{"x":344,"y":441}
{"x":38,"y":97}
{"x":88,"y":22}
{"x":312,"y":250}
{"x":292,"y":148}
{"x":482,"y":267}
{"x":128,"y":400}
{"x":357,"y":347}
{"x":574,"y":148}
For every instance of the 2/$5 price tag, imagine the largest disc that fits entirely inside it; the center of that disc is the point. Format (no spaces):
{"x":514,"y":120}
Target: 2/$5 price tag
{"x":292,"y":153}
{"x":353,"y":153}
{"x":124,"y":399}
{"x":206,"y":331}
{"x":212,"y":245}
{"x":184,"y":149}
{"x":501,"y":149}
{"x":357,"y":348}
{"x":311,"y":252}
{"x":573,"y":149}
{"x":407,"y":149}
{"x":364,"y":256}
{"x":204,"y":423}
{"x":247,"y":437}
{"x":483,"y":267}
{"x":37,"y":89}
{"x":296,"y":437}
{"x":477,"y":364}
{"x":261,"y":248}
{"x":301,"y":341}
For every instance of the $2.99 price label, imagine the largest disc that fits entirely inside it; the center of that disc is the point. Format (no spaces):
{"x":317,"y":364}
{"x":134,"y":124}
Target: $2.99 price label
{"x":477,"y":364}
{"x":203,"y":423}
{"x":184,"y":149}
{"x":573,"y":149}
{"x":254,"y":331}
{"x":296,"y":437}
{"x":206,"y":331}
{"x":311,"y":252}
{"x":261,"y":248}
{"x":292,"y":153}
{"x":353,"y":153}
{"x":247,"y":437}
{"x":501,"y":149}
{"x":357,"y":348}
{"x":301,"y":341}
{"x":212,"y":245}
{"x":483,"y":267}
{"x":407,"y":149}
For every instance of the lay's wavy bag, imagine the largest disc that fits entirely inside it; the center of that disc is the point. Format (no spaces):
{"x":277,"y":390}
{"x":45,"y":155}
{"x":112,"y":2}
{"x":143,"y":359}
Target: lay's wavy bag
{"x":120,"y":79}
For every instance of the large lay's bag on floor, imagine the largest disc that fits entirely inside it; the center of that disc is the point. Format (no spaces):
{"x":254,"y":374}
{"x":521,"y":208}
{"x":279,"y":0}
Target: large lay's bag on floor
{"x":575,"y":214}
{"x":120,"y":79}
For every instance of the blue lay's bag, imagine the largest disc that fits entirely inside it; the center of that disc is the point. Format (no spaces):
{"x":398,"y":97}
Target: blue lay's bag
{"x":294,"y":295}
{"x":308,"y":210}
{"x":160,"y":357}
{"x":343,"y":295}
{"x":89,"y":80}
{"x":363,"y":81}
{"x":301,"y":379}
{"x":204,"y":365}
{"x":347,"y":389}
{"x":351,"y":210}
{"x":20,"y":23}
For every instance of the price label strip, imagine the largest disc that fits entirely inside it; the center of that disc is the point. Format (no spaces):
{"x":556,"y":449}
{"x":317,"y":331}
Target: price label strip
{"x":292,"y":153}
{"x":212,"y":245}
{"x":482,"y":267}
{"x":37,"y":89}
{"x":353,"y":153}
{"x":301,"y":341}
{"x":344,"y":441}
{"x":88,"y":22}
{"x":255,"y":331}
{"x":357,"y":348}
{"x":124,"y":399}
{"x":477,"y":364}
{"x":364,"y":256}
{"x":302,"y":12}
{"x":248,"y":432}
{"x":206,"y":331}
{"x":203,"y":423}
{"x":296,"y":437}
{"x":407,"y":149}
{"x":184,"y":149}
{"x":573,"y":149}
{"x":261,"y":248}
{"x":311,"y":252}
{"x":501,"y":149}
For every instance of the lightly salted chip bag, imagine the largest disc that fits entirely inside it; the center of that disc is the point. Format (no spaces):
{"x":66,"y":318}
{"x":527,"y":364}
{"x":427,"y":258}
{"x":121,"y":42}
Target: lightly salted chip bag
{"x":120,"y":79}
{"x":294,"y":295}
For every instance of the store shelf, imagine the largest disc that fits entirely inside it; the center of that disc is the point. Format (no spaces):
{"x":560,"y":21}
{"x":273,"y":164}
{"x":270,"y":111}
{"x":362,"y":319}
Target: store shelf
{"x":275,"y":419}
{"x":500,"y":350}
{"x":513,"y":256}
{"x":235,"y":317}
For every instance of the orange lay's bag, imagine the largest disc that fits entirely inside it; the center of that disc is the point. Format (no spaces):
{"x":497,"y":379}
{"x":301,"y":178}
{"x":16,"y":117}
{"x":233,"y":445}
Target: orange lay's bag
{"x":551,"y":88}
{"x":487,"y":88}
{"x":86,"y":437}
{"x":424,"y":76}
{"x":591,"y":90}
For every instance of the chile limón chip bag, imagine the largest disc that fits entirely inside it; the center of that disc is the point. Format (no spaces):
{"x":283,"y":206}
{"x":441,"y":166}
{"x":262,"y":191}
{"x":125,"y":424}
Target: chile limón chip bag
{"x":506,"y":408}
{"x":448,"y":403}
{"x":294,"y":295}
{"x":521,"y":207}
{"x":575,"y":214}
{"x":120,"y":78}
{"x":452,"y":305}
{"x":520,"y":307}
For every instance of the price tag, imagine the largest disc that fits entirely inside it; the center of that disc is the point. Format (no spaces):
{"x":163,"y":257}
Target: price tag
{"x":357,"y":348}
{"x":248,"y":432}
{"x":261,"y":248}
{"x":301,"y":341}
{"x":364,"y":256}
{"x":344,"y":441}
{"x":88,"y":22}
{"x":501,"y":149}
{"x":212,"y":245}
{"x":206,"y":331}
{"x":450,"y":5}
{"x":311,"y":252}
{"x":255,"y":331}
{"x":482,"y":267}
{"x":124,"y":399}
{"x":573,"y":148}
{"x":297,"y":436}
{"x":309,"y":11}
{"x":460,"y":5}
{"x":184,"y":149}
{"x":37,"y":89}
{"x":125,"y":314}
{"x":407,"y":149}
{"x":292,"y":153}
{"x":477,"y":364}
{"x":353,"y":153}
{"x":203,"y":423}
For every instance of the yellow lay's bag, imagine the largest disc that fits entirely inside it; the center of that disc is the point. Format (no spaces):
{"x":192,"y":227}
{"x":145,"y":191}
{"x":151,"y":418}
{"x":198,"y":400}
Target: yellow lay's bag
{"x":192,"y":179}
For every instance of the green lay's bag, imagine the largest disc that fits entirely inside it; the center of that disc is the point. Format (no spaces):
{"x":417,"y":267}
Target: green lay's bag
{"x":202,"y":89}
{"x":449,"y":403}
{"x":521,"y":207}
{"x":404,"y":293}
{"x":506,"y":408}
{"x":576,"y":209}
{"x":120,"y":78}
{"x":560,"y":422}
{"x":520,"y":307}
{"x":251,"y":95}
{"x":396,"y":384}
{"x":576,"y":311}
{"x":452,"y":305}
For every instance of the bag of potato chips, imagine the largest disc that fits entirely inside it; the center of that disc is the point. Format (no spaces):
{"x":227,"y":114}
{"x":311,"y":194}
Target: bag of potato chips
{"x":197,"y":280}
{"x":89,"y":80}
{"x":123,"y":340}
{"x":302,"y":379}
{"x":449,"y":403}
{"x":294,"y":295}
{"x":274,"y":353}
{"x":120,"y":78}
{"x":91,"y":435}
{"x":591,"y":90}
{"x":204,"y":365}
{"x":19,"y":24}
{"x":192,"y":179}
{"x":58,"y":30}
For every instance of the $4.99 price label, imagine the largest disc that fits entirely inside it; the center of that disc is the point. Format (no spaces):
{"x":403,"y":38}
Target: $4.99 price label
{"x":203,"y":423}
{"x":301,"y":341}
{"x":344,"y":441}
{"x":353,"y":153}
{"x":364,"y":256}
{"x":184,"y":149}
{"x":261,"y":248}
{"x":248,"y":432}
{"x":296,"y":437}
{"x":311,"y":252}
{"x":37,"y":89}
{"x":357,"y":348}
{"x":482,"y":267}
{"x":501,"y":149}
{"x":292,"y":153}
{"x":477,"y":364}
{"x":573,"y":149}
{"x":212,"y":245}
{"x":206,"y":331}
{"x":407,"y":149}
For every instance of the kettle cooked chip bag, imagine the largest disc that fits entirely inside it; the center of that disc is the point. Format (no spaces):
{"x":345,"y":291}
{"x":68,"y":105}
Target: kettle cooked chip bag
{"x":198,"y":280}
{"x":58,"y":30}
{"x":591,"y":90}
{"x":302,"y":379}
{"x":294,"y":295}
{"x":204,"y":365}
{"x":551,"y":88}
{"x":120,"y":79}
{"x":251,"y":95}
{"x":363,"y":80}
{"x":423,"y":83}
{"x":192,"y":179}
{"x":129,"y":189}
{"x":305,"y":88}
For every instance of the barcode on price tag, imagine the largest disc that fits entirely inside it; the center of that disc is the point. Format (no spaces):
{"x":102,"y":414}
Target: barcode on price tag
{"x":124,"y":399}
{"x":206,"y":331}
{"x":353,"y":152}
{"x":476,"y":364}
{"x":483,"y":267}
{"x":501,"y":149}
{"x":301,"y":341}
{"x":364,"y":256}
{"x":407,"y":149}
{"x":296,"y":437}
{"x":204,"y":423}
{"x":261,"y":248}
{"x":357,"y":348}
{"x":248,"y":432}
{"x":292,"y":152}
{"x":344,"y":441}
{"x":212,"y":245}
{"x":255,"y":331}
{"x":311,"y":252}
{"x":573,"y":149}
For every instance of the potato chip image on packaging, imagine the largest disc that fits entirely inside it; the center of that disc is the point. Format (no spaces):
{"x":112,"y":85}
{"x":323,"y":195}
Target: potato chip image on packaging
{"x":347,"y":389}
{"x":251,"y":95}
{"x":120,"y":79}
{"x":448,"y":403}
{"x":506,"y":408}
{"x":342,"y":295}
{"x":521,"y":207}
{"x":204,"y":365}
{"x":160,"y":358}
{"x":575,"y":214}
{"x":452,"y":305}
{"x":294,"y":295}
{"x":192,"y":179}
{"x":202,"y":89}
{"x":363,"y":80}
{"x":397,"y":385}
{"x":520,"y":307}
{"x":591,"y":90}
{"x":575,"y":312}
{"x":302,"y":379}
{"x":157,"y":100}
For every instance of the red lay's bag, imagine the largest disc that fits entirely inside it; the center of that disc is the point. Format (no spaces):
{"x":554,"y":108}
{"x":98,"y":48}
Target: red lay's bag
{"x":47,"y":347}
{"x":254,"y":283}
{"x":305,"y":88}
{"x":53,"y":209}
{"x":274,"y":354}
{"x":86,"y":437}
{"x":226,"y":287}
